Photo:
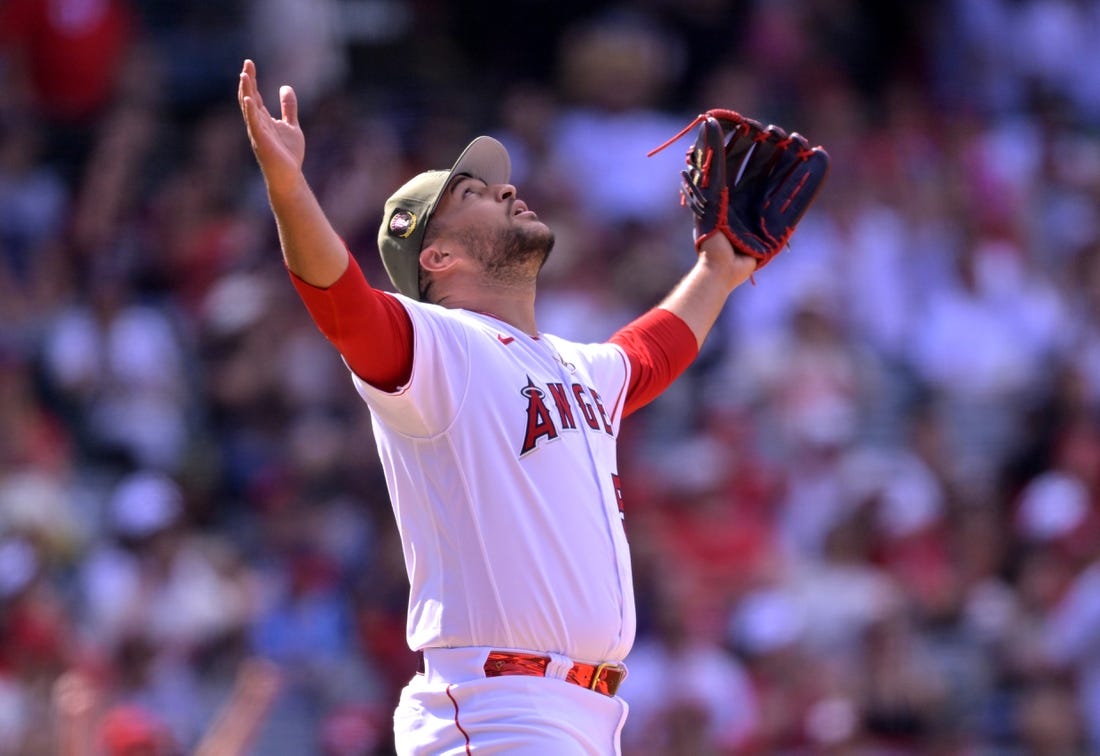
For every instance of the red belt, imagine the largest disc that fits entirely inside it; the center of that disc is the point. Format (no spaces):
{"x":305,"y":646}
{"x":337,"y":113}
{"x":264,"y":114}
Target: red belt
{"x":603,"y":678}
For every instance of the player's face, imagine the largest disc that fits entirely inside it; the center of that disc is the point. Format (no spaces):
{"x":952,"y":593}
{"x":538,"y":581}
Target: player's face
{"x":495,"y":227}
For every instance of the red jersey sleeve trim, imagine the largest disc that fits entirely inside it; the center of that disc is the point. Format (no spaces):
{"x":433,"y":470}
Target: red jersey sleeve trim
{"x":369,"y":327}
{"x":659,"y":346}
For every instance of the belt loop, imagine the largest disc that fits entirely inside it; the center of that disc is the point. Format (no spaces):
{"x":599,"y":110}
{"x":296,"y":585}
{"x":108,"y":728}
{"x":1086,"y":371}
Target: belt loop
{"x":559,"y":667}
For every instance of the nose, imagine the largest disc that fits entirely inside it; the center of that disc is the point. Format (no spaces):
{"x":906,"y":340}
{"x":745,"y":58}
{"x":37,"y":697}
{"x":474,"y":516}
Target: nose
{"x":505,"y":192}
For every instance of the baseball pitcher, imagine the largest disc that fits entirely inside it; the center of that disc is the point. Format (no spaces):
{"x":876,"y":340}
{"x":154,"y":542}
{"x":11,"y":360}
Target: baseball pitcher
{"x":498,"y":441}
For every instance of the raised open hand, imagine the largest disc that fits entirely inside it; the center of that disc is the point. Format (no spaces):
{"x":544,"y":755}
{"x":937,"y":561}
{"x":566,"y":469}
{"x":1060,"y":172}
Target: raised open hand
{"x":279,"y":144}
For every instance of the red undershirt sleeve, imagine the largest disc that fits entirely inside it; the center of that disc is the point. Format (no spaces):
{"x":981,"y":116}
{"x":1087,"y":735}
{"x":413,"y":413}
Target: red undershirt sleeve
{"x":660,"y":346}
{"x":369,"y":327}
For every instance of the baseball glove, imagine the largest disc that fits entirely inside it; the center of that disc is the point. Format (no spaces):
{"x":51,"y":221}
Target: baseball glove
{"x":749,"y":182}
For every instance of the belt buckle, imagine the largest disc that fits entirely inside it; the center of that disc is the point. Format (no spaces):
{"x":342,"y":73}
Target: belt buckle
{"x":599,"y":671}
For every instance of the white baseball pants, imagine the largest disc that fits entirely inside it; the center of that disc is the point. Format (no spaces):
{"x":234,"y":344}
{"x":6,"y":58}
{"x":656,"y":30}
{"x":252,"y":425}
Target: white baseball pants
{"x":454,"y":709}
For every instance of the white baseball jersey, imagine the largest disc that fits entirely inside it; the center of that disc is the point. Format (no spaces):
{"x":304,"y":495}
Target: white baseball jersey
{"x":500,"y":458}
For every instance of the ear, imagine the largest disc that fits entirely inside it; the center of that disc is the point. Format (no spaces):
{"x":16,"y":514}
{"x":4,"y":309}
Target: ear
{"x":436,"y":259}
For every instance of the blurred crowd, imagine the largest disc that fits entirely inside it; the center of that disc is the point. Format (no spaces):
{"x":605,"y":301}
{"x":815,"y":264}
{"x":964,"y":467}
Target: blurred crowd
{"x":866,"y":521}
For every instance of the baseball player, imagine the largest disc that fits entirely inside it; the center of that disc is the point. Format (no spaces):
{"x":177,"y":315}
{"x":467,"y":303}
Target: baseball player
{"x":498,"y":441}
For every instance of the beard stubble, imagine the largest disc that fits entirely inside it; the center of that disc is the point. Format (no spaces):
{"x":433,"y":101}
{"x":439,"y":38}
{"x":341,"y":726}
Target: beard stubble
{"x":514,"y":254}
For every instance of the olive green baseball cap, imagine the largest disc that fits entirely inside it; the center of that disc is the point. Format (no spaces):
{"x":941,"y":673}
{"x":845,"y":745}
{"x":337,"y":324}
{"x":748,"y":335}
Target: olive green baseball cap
{"x":410,"y":208}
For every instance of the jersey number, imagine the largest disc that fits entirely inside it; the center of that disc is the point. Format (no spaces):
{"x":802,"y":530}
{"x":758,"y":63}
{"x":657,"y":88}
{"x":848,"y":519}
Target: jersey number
{"x":616,"y":483}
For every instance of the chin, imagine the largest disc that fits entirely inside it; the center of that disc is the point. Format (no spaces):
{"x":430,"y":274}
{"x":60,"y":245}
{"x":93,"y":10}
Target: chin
{"x":518,"y":247}
{"x":535,"y":240}
{"x":545,"y":245}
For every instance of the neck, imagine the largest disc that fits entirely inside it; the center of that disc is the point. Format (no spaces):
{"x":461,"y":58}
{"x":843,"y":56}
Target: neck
{"x":512,"y":305}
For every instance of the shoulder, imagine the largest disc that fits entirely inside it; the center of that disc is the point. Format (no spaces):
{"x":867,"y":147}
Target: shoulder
{"x":427,"y":317}
{"x":429,"y":311}
{"x":594,"y":351}
{"x":435,"y":325}
{"x":606,"y":361}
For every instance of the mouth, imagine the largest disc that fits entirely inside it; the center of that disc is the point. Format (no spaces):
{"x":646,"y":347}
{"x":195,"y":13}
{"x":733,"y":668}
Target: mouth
{"x":519,"y":207}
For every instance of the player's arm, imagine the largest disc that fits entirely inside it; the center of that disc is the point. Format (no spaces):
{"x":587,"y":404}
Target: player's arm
{"x":699,"y":297}
{"x":661,"y":344}
{"x":369,"y":327}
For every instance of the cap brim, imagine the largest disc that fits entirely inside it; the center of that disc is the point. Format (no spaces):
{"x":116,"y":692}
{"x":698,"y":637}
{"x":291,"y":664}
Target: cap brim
{"x":484,"y":158}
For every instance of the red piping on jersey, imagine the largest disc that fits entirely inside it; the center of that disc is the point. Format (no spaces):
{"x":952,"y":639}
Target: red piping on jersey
{"x":622,"y":393}
{"x":464,"y":733}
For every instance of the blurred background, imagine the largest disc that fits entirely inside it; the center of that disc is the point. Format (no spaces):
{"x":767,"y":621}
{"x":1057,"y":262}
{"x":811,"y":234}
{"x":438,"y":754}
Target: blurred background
{"x":864,"y":522}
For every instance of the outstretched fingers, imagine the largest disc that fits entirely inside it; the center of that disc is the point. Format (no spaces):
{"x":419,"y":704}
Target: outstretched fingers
{"x":288,"y":104}
{"x":248,"y":97}
{"x":248,"y":87}
{"x":248,"y":94}
{"x":252,"y":103}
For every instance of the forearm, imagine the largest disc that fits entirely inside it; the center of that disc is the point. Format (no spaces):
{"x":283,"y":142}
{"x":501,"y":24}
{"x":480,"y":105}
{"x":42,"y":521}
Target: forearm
{"x":700,"y":296}
{"x":311,"y":247}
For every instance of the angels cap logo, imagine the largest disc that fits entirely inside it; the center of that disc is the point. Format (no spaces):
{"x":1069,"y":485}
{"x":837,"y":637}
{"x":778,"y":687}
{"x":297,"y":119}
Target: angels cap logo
{"x":402,"y":223}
